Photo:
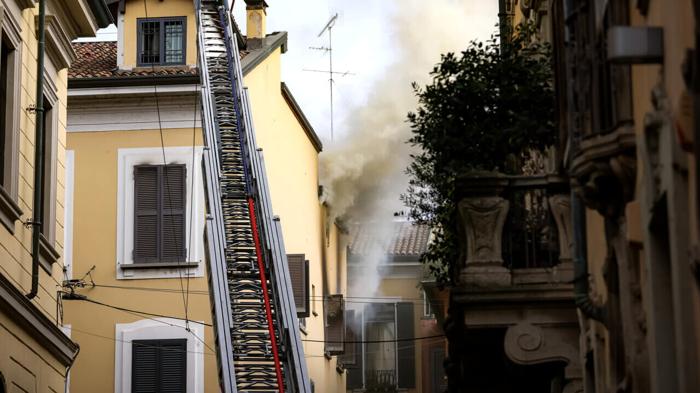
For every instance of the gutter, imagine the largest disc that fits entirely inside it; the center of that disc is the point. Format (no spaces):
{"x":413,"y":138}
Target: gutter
{"x":581,"y":287}
{"x":38,"y":208}
{"x":121,"y":81}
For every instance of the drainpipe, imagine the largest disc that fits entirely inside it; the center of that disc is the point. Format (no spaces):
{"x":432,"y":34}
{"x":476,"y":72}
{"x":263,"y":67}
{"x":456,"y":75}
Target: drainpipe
{"x":37,"y":212}
{"x":581,"y":288}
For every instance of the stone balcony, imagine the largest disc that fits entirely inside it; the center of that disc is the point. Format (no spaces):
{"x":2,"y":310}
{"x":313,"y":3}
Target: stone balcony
{"x":514,"y":231}
{"x":514,"y":293}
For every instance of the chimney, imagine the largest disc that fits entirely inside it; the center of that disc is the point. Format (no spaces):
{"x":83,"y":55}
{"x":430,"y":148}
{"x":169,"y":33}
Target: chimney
{"x":255,"y":23}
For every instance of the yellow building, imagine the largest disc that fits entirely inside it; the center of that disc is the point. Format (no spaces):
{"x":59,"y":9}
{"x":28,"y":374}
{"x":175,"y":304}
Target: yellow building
{"x":35,"y":353}
{"x":388,"y":302}
{"x":133,"y":106}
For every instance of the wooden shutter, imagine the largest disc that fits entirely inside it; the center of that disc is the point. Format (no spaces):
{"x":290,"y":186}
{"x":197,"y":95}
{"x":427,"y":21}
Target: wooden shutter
{"x":299,"y":274}
{"x":173,"y":195}
{"x":406,"y":351}
{"x":334,"y":309}
{"x":146,"y":216}
{"x":352,"y":359}
{"x":159,"y":366}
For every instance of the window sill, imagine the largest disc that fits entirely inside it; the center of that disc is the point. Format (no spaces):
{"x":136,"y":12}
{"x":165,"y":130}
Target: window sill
{"x":9,"y":210}
{"x":47,"y":254}
{"x":160,"y":265}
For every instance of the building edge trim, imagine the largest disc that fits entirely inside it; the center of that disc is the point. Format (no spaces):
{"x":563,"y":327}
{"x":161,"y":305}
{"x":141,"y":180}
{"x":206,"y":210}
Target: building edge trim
{"x":28,"y":316}
{"x":299,"y":114}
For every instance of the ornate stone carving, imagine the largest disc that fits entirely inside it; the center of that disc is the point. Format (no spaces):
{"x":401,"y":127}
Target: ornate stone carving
{"x":605,"y":169}
{"x":482,"y":220}
{"x":528,"y":344}
{"x":560,"y":205}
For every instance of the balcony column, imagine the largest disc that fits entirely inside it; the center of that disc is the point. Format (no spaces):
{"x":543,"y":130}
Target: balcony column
{"x":481,"y":215}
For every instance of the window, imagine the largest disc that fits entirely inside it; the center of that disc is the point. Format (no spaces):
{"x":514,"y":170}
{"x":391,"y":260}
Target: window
{"x":159,"y":233}
{"x":161,"y":41}
{"x":10,"y":65}
{"x":159,"y":216}
{"x":299,"y":275}
{"x":159,"y":366}
{"x":49,"y":176}
{"x":334,"y":311}
{"x":159,"y":355}
{"x":47,"y":253}
{"x":382,"y":362}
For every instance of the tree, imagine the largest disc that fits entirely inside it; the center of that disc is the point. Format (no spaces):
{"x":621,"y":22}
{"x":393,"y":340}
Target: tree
{"x":485,"y":110}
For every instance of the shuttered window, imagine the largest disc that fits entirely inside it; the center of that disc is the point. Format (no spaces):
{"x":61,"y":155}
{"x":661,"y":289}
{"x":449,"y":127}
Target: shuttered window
{"x":159,"y":219}
{"x":299,"y":274}
{"x":159,"y":366}
{"x":334,"y":309}
{"x":352,"y":358}
{"x":405,"y":351}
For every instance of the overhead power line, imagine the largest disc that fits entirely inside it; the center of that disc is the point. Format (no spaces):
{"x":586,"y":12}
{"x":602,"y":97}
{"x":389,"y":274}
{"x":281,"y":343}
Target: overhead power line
{"x":397,"y":340}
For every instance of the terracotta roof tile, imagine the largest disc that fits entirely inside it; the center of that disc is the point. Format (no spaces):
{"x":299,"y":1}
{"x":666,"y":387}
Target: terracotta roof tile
{"x":99,"y":60}
{"x":404,"y":239}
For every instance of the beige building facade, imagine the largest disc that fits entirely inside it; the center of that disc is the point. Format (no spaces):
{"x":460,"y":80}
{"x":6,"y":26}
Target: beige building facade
{"x":134,"y":109}
{"x":37,"y":351}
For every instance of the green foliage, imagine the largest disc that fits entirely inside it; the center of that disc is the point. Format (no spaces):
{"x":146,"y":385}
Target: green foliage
{"x":484,"y":110}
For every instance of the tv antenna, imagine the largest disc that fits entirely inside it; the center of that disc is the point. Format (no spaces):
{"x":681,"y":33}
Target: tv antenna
{"x":330,"y":72}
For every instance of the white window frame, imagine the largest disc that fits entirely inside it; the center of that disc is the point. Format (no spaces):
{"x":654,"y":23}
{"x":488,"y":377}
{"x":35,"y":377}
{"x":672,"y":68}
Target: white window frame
{"x":159,"y":329}
{"x":68,"y":215}
{"x":127,"y":159}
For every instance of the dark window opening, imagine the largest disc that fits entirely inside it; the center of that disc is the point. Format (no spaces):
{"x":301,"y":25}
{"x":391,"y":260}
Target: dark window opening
{"x":47,"y":178}
{"x":161,"y":41}
{"x":159,"y":217}
{"x":5,"y":107}
{"x":159,"y":366}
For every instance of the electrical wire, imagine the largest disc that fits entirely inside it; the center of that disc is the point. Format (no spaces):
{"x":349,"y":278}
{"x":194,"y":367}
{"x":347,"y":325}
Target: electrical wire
{"x":138,"y":312}
{"x":374,"y":341}
{"x":317,"y":298}
{"x":143,"y":345}
{"x":165,"y":171}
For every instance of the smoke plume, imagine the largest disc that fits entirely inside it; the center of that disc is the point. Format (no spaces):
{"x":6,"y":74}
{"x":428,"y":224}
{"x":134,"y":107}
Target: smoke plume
{"x":363,"y":173}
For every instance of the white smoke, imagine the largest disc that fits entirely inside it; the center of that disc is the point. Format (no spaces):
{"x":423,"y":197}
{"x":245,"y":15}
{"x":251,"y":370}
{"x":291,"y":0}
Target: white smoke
{"x":363,"y":173}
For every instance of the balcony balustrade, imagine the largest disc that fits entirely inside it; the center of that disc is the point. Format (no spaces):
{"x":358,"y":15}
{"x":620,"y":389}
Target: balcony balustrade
{"x":513,"y":229}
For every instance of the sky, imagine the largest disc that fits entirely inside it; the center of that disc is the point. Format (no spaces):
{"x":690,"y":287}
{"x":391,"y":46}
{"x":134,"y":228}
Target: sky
{"x":364,"y":45}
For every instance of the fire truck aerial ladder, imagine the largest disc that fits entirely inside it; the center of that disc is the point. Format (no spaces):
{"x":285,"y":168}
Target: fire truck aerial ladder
{"x":255,"y":324}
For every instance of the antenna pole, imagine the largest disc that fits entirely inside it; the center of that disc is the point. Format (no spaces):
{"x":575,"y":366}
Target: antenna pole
{"x":330,"y":81}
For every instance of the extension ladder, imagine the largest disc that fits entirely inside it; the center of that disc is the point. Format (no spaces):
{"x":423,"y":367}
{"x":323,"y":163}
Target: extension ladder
{"x":255,"y":324}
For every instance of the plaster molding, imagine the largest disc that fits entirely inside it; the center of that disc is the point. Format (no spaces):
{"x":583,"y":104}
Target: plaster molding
{"x":560,"y":206}
{"x":58,"y":43}
{"x":127,"y":159}
{"x":481,"y":220}
{"x":528,"y":344}
{"x":604,"y":171}
{"x":158,"y":329}
{"x":24,"y":4}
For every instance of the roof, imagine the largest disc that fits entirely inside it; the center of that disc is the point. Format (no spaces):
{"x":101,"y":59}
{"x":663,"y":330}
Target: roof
{"x":96,"y":65}
{"x":301,"y":117}
{"x":406,"y":240}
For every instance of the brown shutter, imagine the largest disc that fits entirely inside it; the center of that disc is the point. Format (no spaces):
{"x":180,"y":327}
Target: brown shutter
{"x":173,"y":195}
{"x":334,"y":309}
{"x":159,"y":366}
{"x":406,"y":351}
{"x":352,"y":358}
{"x":146,"y":215}
{"x":299,"y":274}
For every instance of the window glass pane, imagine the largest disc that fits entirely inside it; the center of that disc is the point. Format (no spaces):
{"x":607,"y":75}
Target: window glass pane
{"x":381,"y":356}
{"x":150,"y":42}
{"x":174,"y":42}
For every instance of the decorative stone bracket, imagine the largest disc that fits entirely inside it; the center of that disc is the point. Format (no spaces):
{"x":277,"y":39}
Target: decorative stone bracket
{"x":605,"y":169}
{"x":529,"y":344}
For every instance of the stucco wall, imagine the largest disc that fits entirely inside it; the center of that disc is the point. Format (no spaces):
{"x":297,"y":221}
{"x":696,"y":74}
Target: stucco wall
{"x":156,"y":9}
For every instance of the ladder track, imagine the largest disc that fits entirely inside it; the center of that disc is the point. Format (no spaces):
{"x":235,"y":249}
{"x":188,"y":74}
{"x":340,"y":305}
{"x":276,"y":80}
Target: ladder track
{"x":258,"y":356}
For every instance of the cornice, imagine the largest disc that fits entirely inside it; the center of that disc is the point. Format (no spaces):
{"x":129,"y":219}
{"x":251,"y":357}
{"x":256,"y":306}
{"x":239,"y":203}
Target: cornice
{"x":58,"y":46}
